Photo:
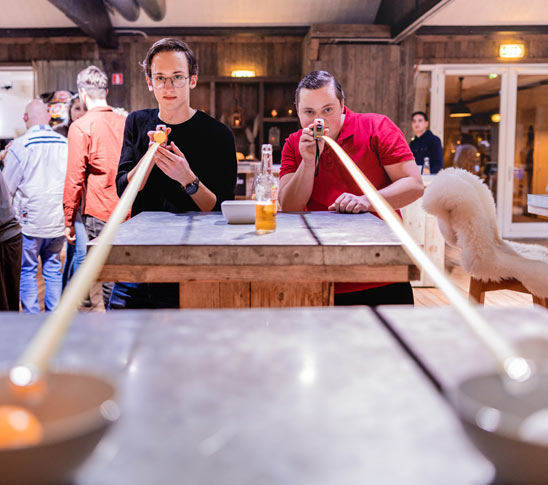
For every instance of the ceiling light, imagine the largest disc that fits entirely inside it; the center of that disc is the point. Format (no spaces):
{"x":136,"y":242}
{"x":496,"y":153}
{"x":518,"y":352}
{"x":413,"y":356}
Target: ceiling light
{"x":460,"y":110}
{"x":243,"y":73}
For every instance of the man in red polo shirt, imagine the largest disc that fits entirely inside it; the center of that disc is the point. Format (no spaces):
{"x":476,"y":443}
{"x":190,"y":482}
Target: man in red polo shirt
{"x":94,"y":147}
{"x":379,"y":149}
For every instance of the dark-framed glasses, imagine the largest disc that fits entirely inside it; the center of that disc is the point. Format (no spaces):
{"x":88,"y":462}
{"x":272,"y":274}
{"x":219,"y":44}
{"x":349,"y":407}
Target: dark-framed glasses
{"x":177,"y":81}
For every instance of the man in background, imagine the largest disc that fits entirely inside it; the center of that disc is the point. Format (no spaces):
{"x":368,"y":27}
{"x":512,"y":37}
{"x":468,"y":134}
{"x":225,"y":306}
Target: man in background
{"x":10,"y":252}
{"x":95,"y":143}
{"x":425,"y":143}
{"x":35,"y":168}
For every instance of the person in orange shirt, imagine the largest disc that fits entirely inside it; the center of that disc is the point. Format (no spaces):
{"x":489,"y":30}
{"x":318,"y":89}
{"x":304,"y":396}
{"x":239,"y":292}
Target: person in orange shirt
{"x":94,"y":146}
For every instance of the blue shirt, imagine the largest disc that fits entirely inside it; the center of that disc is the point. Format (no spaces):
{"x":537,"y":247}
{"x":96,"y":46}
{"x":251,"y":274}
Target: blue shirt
{"x":428,"y":145}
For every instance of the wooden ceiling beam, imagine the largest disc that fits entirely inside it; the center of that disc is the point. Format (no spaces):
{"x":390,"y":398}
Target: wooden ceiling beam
{"x":92,"y":17}
{"x":406,"y":16}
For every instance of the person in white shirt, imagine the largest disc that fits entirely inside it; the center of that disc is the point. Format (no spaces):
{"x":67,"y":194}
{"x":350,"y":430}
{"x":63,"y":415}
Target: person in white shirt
{"x":35,"y":169}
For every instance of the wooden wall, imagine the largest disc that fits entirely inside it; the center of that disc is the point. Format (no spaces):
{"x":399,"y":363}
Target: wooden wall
{"x":472,"y":49}
{"x":375,"y":77}
{"x":217,"y":56}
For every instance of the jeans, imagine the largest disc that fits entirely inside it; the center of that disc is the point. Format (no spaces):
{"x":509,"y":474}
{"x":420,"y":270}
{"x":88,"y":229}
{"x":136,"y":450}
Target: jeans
{"x":49,"y":251}
{"x":76,"y":252}
{"x":94,"y":227}
{"x":144,"y":295}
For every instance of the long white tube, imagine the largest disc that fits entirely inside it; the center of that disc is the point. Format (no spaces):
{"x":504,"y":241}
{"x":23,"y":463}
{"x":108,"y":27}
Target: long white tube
{"x":36,"y":358}
{"x":508,"y":359}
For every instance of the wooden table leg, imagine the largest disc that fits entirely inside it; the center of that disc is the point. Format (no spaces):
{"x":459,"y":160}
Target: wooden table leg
{"x":254,"y":294}
{"x":214,"y":295}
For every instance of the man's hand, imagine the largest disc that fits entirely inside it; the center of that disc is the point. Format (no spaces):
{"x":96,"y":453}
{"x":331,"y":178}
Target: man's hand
{"x":70,"y":235}
{"x":307,"y":144}
{"x":174,"y":164}
{"x":5,"y":151}
{"x":151,"y":136}
{"x":351,"y":204}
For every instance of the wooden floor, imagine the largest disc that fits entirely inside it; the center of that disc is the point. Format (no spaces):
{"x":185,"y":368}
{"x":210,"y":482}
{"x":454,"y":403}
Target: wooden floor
{"x":423,"y":296}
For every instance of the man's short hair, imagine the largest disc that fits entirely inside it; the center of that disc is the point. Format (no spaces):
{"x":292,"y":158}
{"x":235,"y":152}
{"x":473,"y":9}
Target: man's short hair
{"x":166,"y":45}
{"x":422,"y":113}
{"x":94,"y":81}
{"x":317,"y":80}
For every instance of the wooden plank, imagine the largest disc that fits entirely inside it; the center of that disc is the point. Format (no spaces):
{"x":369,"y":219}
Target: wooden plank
{"x":195,"y":294}
{"x":354,"y":31}
{"x":274,"y":294}
{"x":537,"y":204}
{"x":439,"y":338}
{"x":314,"y":50}
{"x":167,"y":273}
{"x":255,"y":396}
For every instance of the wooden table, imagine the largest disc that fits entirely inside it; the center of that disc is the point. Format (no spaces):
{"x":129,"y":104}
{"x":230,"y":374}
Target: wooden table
{"x":537,"y":204}
{"x":222,"y":265}
{"x":441,"y":342}
{"x":303,"y":396}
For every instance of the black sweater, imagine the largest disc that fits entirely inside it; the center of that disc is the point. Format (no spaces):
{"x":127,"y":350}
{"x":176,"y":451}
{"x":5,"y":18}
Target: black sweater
{"x":207,"y":144}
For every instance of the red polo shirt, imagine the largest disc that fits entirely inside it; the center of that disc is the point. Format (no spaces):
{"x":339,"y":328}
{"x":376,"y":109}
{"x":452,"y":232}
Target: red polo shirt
{"x":372,"y":141}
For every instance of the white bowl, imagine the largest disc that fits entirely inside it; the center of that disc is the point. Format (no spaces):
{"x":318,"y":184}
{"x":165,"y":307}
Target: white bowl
{"x":239,"y":211}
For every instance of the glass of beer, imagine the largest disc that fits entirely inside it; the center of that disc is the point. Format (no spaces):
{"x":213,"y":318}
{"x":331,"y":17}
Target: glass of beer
{"x":265,"y":216}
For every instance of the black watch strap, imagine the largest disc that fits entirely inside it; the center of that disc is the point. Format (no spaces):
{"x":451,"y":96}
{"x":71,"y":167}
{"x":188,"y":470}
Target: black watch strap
{"x":192,"y":187}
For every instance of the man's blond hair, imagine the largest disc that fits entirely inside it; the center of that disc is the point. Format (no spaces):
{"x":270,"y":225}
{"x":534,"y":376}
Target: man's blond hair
{"x":94,"y":81}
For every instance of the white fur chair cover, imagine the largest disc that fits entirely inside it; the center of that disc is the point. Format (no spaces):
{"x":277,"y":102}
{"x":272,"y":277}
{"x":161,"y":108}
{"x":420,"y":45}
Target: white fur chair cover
{"x":466,"y":216}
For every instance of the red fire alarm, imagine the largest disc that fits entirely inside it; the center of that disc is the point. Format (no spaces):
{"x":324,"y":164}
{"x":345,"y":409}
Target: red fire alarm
{"x":117,"y":78}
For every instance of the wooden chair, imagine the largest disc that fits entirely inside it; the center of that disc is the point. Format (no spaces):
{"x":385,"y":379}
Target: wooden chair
{"x":467,"y":219}
{"x":478,"y":288}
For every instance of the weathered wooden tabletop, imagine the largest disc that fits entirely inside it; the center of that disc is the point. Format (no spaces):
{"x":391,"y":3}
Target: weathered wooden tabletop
{"x":537,"y":204}
{"x":294,"y":266}
{"x":441,"y":341}
{"x":270,"y":396}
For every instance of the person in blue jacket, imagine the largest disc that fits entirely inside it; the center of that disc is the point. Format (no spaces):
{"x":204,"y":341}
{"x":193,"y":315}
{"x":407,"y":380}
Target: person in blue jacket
{"x":425,"y":143}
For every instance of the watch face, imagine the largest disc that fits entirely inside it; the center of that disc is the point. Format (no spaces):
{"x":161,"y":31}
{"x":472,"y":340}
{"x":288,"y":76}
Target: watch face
{"x":192,"y":188}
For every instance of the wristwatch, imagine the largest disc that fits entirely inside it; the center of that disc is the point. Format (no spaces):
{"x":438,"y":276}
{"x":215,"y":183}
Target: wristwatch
{"x":192,"y":187}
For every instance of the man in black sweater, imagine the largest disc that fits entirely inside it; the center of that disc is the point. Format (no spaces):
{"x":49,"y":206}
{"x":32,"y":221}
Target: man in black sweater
{"x":425,"y":143}
{"x":195,"y":171}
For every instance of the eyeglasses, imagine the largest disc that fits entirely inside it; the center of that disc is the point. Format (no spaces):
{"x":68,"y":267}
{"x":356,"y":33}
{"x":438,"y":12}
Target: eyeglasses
{"x":177,"y":81}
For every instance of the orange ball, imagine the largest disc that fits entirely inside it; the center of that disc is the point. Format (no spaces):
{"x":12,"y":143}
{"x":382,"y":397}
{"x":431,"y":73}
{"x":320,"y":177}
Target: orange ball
{"x":160,"y":136}
{"x":18,"y":427}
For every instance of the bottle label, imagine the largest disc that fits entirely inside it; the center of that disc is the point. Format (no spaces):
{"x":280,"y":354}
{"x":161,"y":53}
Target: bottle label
{"x":274,"y":193}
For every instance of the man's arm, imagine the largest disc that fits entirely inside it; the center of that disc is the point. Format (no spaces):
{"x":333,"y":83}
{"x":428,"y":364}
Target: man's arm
{"x":295,"y":188}
{"x":13,"y":171}
{"x":406,"y":187}
{"x":175,"y":165}
{"x":76,"y":173}
{"x":223,"y":166}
